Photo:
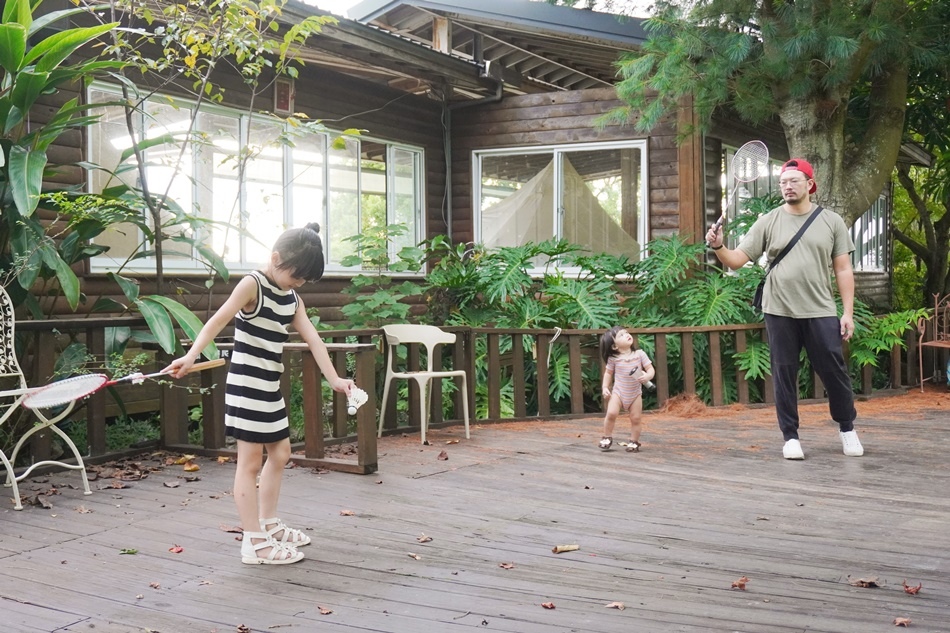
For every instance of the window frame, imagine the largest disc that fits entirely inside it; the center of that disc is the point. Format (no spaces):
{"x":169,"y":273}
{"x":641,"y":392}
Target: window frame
{"x":188,"y":267}
{"x":557,"y":151}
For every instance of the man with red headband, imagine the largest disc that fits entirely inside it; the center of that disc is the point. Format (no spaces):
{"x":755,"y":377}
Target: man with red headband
{"x":799,"y":301}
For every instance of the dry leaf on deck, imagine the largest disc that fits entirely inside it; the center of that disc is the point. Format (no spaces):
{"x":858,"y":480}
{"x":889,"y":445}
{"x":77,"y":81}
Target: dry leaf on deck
{"x":139,"y":596}
{"x":416,"y":556}
{"x":451,"y":441}
{"x":224,"y":459}
{"x":865,"y":582}
{"x":506,"y":565}
{"x":172,"y":484}
{"x":176,"y":549}
{"x":83,"y":510}
{"x":184,"y":459}
{"x":547,"y":605}
{"x":740,"y":583}
{"x":423,"y":538}
{"x":912,"y":590}
{"x":191,"y":467}
{"x":616,"y":605}
{"x":443,"y":456}
{"x":558,"y":549}
{"x":325,"y":611}
{"x":905,"y":622}
{"x":155,"y":585}
{"x":347,"y":513}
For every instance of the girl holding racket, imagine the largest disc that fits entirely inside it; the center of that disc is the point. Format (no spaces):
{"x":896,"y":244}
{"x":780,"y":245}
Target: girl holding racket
{"x":629,"y":370}
{"x":263,"y":305}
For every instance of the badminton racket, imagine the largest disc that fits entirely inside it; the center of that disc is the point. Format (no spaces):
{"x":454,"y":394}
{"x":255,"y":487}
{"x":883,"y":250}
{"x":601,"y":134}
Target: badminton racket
{"x":357,"y":399}
{"x":747,"y":164}
{"x":78,"y":387}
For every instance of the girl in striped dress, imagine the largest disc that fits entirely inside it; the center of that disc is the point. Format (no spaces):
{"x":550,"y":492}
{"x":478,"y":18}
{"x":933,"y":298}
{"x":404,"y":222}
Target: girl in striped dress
{"x":628,"y":370}
{"x":263,"y":305}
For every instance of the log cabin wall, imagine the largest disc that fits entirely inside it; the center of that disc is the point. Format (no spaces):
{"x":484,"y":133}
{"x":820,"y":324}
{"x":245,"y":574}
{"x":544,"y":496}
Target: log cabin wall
{"x":553,"y":119}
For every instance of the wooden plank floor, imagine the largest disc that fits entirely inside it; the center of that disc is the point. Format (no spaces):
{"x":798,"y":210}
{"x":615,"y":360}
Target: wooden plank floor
{"x":665,"y":532}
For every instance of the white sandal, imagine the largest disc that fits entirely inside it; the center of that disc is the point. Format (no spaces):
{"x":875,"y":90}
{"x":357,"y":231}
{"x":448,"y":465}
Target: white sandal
{"x":289,"y":536}
{"x":280,"y":553}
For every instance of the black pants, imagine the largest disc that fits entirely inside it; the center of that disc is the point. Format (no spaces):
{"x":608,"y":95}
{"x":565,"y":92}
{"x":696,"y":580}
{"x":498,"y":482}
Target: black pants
{"x":821,"y":339}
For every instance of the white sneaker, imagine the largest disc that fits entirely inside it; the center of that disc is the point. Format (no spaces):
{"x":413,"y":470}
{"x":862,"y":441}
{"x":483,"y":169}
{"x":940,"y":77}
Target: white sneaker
{"x":793,"y":450}
{"x":851,"y":444}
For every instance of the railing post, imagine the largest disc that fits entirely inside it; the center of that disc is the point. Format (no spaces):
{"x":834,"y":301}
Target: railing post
{"x":688,"y":359}
{"x":173,"y":409}
{"x":577,"y":377}
{"x":543,"y":344}
{"x":366,"y":449}
{"x":517,"y":375}
{"x":741,"y":382}
{"x":313,"y":426}
{"x":213,"y":385}
{"x":494,"y":377}
{"x":96,"y":404}
{"x":661,"y":367}
{"x":715,"y":369}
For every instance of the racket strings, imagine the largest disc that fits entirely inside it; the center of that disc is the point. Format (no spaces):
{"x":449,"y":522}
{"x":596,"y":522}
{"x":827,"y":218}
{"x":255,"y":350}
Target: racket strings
{"x":749,"y":161}
{"x":64,"y":391}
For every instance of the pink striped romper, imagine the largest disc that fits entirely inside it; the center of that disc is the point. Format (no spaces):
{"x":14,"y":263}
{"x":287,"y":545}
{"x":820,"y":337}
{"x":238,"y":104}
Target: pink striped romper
{"x":624,"y":369}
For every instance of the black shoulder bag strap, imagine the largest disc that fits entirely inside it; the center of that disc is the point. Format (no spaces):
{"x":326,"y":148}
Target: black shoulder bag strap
{"x":793,"y":241}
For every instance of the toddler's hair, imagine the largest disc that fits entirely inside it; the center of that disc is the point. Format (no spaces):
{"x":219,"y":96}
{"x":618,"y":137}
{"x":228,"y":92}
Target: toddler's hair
{"x":607,"y":342}
{"x":301,"y":252}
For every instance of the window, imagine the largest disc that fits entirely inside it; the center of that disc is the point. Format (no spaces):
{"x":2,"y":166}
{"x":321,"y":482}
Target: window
{"x":345,"y":184}
{"x":870,"y":237}
{"x":593,"y":195}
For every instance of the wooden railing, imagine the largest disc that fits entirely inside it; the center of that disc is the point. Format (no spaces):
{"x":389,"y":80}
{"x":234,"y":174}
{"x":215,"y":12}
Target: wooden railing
{"x":496,"y":355}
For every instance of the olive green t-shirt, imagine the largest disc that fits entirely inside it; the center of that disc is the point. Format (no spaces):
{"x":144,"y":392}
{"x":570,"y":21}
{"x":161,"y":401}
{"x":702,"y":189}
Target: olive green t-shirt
{"x":801,"y":286}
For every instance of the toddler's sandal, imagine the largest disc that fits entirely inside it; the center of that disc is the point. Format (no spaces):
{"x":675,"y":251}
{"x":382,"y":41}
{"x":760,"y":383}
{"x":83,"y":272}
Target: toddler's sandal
{"x":606,"y":443}
{"x":288,"y":535}
{"x":632,"y":447}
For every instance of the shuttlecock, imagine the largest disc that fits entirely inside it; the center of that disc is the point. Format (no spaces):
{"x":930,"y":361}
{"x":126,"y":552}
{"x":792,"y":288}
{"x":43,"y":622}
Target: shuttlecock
{"x":351,"y":410}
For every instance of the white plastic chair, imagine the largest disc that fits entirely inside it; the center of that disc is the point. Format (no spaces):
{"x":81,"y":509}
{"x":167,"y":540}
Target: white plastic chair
{"x":10,"y":372}
{"x":431,"y":337}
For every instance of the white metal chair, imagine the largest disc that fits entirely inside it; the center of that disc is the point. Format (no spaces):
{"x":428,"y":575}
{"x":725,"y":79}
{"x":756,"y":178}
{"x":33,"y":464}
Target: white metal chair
{"x":431,"y":337}
{"x":10,"y":400}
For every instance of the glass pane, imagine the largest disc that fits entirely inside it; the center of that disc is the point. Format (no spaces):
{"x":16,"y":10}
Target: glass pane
{"x":602,"y":200}
{"x":344,"y":200}
{"x":107,"y":140}
{"x":218,"y":191}
{"x":372,"y":185}
{"x":264,"y":186}
{"x":308,"y":158}
{"x":170,"y":170}
{"x":407,"y":206}
{"x":517,"y":199}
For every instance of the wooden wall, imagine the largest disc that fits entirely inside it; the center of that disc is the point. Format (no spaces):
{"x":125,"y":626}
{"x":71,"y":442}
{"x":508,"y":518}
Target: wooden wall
{"x":554,"y":119}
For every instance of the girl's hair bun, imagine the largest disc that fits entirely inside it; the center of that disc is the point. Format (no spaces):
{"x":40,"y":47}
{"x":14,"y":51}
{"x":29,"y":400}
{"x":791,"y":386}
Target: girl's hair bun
{"x":313,"y":226}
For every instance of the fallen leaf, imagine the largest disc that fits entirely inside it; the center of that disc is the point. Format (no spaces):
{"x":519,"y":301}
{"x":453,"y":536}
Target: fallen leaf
{"x":506,"y":565}
{"x":558,"y":549}
{"x":155,"y":585}
{"x":416,"y":556}
{"x":191,"y":467}
{"x":325,"y":611}
{"x":451,"y":441}
{"x":423,"y":538}
{"x":911,"y":589}
{"x":616,"y":605}
{"x":740,"y":583}
{"x":761,"y":518}
{"x":224,"y":459}
{"x":865,"y":582}
{"x":128,"y":551}
{"x":547,"y":605}
{"x":380,"y":481}
{"x":205,"y":582}
{"x":190,"y":478}
{"x":172,"y":484}
{"x":184,"y":459}
{"x":176,"y":549}
{"x":83,"y":510}
{"x":347,"y":513}
{"x":905,"y":622}
{"x":443,"y":456}
{"x":139,"y":596}
{"x":42,"y":501}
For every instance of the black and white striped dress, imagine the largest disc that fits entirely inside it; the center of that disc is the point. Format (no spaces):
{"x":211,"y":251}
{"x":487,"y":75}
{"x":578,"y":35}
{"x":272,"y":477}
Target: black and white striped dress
{"x":254,"y":406}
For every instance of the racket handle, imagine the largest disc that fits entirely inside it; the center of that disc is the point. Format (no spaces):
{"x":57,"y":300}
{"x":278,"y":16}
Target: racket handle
{"x":209,"y":364}
{"x":716,"y":225}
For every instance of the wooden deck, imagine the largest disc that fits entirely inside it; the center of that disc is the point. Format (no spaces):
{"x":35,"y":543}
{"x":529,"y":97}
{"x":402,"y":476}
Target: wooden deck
{"x":666,"y":532}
